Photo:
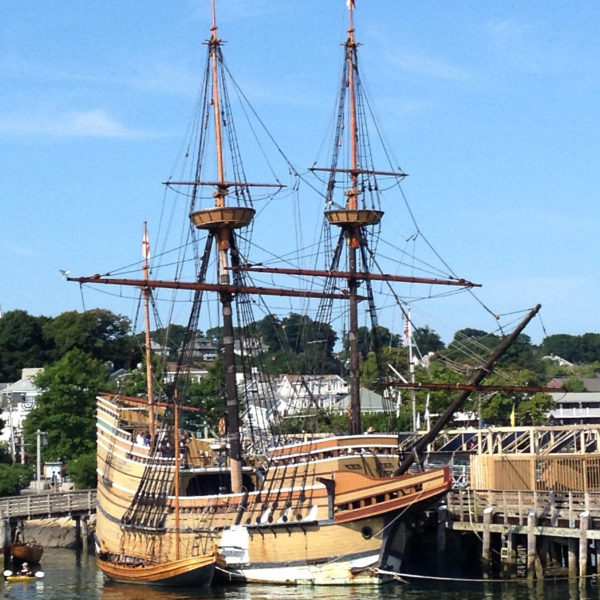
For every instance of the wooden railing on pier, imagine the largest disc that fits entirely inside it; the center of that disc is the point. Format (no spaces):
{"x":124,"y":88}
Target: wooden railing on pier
{"x":49,"y":505}
{"x":541,"y":440}
{"x":511,"y":508}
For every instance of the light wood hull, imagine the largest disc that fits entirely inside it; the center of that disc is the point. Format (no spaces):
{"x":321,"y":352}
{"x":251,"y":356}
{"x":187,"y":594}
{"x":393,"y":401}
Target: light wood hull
{"x":195,"y":571}
{"x":327,"y":512}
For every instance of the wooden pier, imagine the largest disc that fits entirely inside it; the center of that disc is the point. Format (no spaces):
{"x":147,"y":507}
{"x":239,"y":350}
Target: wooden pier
{"x":49,"y":506}
{"x":531,"y":525}
{"x":78,"y":505}
{"x":530,"y":496}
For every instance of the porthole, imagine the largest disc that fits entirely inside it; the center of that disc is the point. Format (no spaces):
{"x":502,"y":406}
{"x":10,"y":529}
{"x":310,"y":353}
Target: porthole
{"x":367,"y":533}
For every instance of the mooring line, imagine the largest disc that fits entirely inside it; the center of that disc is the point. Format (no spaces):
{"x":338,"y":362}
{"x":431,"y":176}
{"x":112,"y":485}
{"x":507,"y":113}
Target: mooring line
{"x":476,"y":580}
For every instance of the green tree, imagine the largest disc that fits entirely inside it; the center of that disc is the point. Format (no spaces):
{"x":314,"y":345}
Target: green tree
{"x":65,"y":408}
{"x":100,"y":333}
{"x":269,"y":331}
{"x":300,"y":330}
{"x":533,"y":410}
{"x":469,"y":345}
{"x":22,"y":343}
{"x":427,"y":340}
{"x":581,"y":349}
{"x":497,"y":407}
{"x":562,"y":345}
{"x":13,"y":478}
{"x":82,"y":471}
{"x":371,"y":339}
{"x":574,"y":384}
{"x":208,"y":395}
{"x":370,"y":374}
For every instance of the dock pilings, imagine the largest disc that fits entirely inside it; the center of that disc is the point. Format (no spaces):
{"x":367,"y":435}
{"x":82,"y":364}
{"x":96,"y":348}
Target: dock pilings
{"x":526,"y":534}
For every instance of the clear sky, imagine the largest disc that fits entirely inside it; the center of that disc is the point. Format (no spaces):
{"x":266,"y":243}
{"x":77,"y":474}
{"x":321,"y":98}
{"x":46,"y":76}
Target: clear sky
{"x":491,"y":107}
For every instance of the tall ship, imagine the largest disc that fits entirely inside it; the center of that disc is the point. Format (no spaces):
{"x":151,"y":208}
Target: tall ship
{"x":254,"y":502}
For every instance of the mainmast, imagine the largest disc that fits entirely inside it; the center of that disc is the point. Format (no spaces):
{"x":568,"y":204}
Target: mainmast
{"x":351,"y":220}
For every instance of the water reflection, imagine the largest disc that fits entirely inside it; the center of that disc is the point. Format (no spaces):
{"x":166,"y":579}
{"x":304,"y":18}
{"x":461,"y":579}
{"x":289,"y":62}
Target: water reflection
{"x":73,"y":576}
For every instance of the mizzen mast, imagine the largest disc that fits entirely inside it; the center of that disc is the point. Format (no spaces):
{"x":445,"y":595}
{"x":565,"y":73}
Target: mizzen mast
{"x":146,"y":294}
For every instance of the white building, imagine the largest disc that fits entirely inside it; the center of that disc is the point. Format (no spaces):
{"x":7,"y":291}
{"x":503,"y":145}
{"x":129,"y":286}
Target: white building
{"x":16,"y":400}
{"x":195,"y":374}
{"x":576,"y":408}
{"x":298,"y":392}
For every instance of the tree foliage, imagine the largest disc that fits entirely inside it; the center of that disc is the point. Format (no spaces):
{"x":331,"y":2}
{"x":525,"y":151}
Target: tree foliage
{"x":82,"y":471}
{"x":77,"y":349}
{"x":579,"y":349}
{"x":22,"y":343}
{"x":427,"y":340}
{"x":99,"y":333}
{"x":13,"y":478}
{"x":65,"y":409}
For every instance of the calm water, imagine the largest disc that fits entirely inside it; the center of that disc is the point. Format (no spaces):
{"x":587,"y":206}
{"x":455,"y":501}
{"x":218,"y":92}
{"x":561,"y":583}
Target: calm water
{"x":70,"y":575}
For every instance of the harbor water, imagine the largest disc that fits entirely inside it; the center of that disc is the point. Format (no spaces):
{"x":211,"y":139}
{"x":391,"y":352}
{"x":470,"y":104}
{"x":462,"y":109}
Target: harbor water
{"x":70,"y":575}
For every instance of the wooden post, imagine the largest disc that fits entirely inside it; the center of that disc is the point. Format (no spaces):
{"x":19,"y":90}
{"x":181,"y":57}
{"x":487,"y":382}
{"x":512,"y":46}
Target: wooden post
{"x":584,"y":520}
{"x":520,"y":507}
{"x":572,"y":549}
{"x":508,"y":556}
{"x":486,"y":553}
{"x":5,"y":539}
{"x":553,"y":509}
{"x":85,"y":533}
{"x":531,"y":546}
{"x":441,"y":528}
{"x":77,"y":532}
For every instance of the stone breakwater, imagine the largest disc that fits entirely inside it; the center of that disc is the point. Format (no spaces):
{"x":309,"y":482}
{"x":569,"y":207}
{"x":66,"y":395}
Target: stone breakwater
{"x":56,"y":533}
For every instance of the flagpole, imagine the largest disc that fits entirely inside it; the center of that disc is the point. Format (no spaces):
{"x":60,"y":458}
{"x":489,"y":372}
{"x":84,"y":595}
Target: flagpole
{"x":411,"y":368}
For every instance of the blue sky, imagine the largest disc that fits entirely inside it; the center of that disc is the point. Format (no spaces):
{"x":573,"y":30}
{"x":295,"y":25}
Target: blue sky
{"x":491,"y":107}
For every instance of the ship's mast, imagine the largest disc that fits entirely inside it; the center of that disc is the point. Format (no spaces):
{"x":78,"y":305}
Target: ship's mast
{"x":352,"y":219}
{"x":353,"y":241}
{"x":223,"y":231}
{"x":146,"y":294}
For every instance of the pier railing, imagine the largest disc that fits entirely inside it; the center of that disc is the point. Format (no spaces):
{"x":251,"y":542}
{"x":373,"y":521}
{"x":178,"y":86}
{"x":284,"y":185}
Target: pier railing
{"x":51,"y":505}
{"x":511,"y":507}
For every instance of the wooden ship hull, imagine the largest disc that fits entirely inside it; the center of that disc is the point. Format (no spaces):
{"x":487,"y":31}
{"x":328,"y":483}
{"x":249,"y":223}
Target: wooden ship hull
{"x":27,"y":552}
{"x":325,"y":512}
{"x":197,"y":570}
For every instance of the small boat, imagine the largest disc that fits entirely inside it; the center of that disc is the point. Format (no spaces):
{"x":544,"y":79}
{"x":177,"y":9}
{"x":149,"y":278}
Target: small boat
{"x":195,"y":570}
{"x":20,"y":578}
{"x":27,"y":551}
{"x":11,"y":577}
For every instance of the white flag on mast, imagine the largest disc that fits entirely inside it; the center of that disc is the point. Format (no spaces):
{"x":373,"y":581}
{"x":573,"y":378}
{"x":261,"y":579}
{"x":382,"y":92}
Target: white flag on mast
{"x":145,"y":246}
{"x":350,"y":4}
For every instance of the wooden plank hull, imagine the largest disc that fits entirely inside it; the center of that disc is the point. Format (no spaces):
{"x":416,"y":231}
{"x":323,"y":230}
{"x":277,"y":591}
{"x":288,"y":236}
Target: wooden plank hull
{"x":327,"y":511}
{"x":31,"y":553}
{"x":324,"y":554}
{"x":198,"y":570}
